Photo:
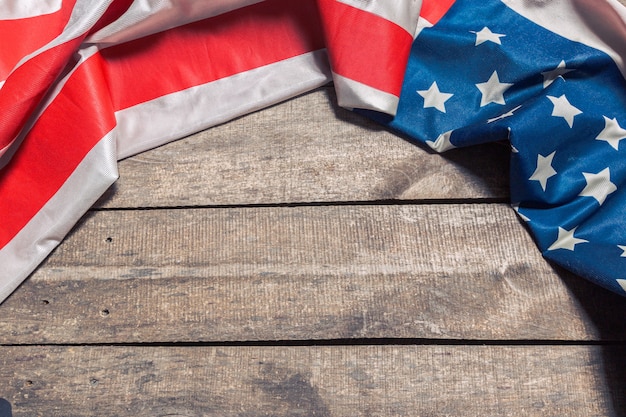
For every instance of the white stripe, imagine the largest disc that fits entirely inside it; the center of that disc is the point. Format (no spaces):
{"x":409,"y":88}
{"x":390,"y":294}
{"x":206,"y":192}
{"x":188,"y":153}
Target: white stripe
{"x":170,"y":117}
{"x":95,"y":173}
{"x":600,"y":24}
{"x":355,"y":95}
{"x":403,"y":13}
{"x":22,"y":9}
{"x":145,"y":17}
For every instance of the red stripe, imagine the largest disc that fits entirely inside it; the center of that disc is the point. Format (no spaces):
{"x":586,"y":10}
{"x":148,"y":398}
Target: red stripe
{"x":211,"y":49}
{"x":22,"y":92}
{"x":25,"y":87}
{"x":82,"y":114}
{"x":113,"y":12}
{"x":67,"y":130}
{"x":365,"y":47}
{"x":21,"y":37}
{"x":434,"y":10}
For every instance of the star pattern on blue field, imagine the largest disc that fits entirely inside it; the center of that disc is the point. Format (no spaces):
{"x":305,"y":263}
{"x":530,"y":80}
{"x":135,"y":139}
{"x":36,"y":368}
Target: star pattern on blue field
{"x":544,"y":170}
{"x":612,"y":133}
{"x":550,"y":76}
{"x":562,"y":106}
{"x":566,"y":240}
{"x":486,"y":35}
{"x":434,"y":98}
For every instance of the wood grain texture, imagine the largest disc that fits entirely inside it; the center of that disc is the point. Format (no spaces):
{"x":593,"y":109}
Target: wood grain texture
{"x":304,"y":150}
{"x":284,"y":273}
{"x":310,"y":381}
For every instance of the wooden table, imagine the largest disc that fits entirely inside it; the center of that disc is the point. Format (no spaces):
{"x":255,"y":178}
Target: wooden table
{"x":302,"y":261}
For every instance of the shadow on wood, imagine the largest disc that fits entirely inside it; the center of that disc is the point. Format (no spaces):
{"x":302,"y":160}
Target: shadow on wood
{"x":485,"y":167}
{"x":606,"y":311}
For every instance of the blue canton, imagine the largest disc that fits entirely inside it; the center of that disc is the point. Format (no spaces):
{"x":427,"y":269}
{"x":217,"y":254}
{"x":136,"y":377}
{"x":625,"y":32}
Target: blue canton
{"x":562,"y":106}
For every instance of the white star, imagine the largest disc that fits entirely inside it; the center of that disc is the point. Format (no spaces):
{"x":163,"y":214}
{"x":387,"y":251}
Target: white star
{"x":558,"y":72}
{"x":563,"y":108}
{"x":504,"y":115}
{"x":622,"y":283}
{"x":566,"y":240}
{"x":486,"y":35}
{"x":493,"y":90}
{"x":434,"y":98}
{"x":599,"y":185}
{"x":544,"y":170}
{"x":622,"y":247}
{"x":442,"y":143}
{"x":516,"y":208}
{"x":612,"y":132}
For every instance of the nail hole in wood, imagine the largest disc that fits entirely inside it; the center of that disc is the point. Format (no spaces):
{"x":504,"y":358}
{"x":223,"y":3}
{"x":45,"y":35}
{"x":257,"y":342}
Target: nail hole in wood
{"x":45,"y":302}
{"x":109,"y":239}
{"x":29,"y":383}
{"x":105,"y":312}
{"x":93,"y":382}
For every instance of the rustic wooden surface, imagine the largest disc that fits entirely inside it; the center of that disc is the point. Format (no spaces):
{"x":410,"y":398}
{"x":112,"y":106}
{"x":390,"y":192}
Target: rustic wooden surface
{"x":284,"y":266}
{"x":284,"y":155}
{"x":308,"y":381}
{"x":445,"y":271}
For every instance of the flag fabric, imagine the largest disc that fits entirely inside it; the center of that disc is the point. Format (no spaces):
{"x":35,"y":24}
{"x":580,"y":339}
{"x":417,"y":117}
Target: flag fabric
{"x":547,"y":77}
{"x":84,"y":83}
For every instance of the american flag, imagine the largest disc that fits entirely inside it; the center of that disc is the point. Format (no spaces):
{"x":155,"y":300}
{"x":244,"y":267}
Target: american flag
{"x":547,"y":77}
{"x":84,"y":83}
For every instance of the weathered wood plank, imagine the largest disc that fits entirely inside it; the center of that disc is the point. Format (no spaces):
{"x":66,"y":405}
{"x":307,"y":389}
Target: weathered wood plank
{"x":425,"y":271}
{"x":303,"y":150}
{"x":313,"y":381}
